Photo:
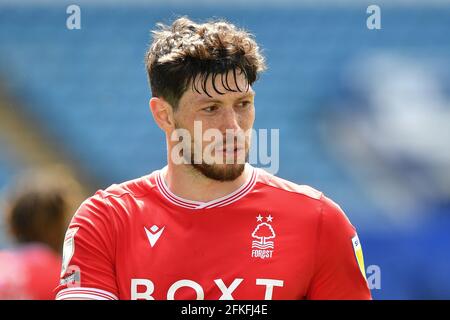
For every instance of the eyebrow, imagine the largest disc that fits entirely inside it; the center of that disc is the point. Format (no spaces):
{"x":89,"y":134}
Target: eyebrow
{"x":209,"y":100}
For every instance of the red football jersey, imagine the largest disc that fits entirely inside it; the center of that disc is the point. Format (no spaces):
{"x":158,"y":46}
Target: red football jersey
{"x":270,"y":239}
{"x":29,"y":272}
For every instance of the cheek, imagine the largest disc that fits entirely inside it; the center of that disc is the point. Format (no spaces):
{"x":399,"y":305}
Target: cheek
{"x":184,"y":120}
{"x":210,"y":122}
{"x":248,"y":119}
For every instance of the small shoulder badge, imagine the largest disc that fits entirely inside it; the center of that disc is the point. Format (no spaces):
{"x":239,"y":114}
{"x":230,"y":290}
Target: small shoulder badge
{"x":357,"y":248}
{"x":69,"y":249}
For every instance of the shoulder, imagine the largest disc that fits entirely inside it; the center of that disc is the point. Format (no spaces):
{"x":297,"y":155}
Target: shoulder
{"x":286,"y":186}
{"x":324,"y":206}
{"x":138,"y":187}
{"x":105,"y":203}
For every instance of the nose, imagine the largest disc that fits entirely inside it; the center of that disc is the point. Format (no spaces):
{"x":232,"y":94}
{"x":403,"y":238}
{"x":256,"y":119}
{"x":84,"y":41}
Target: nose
{"x":230,"y":120}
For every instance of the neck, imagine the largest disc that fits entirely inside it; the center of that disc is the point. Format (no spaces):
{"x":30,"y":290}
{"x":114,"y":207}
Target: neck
{"x":186,"y":182}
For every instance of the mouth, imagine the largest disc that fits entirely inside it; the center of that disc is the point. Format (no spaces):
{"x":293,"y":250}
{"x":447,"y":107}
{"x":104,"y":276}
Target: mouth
{"x":233,"y":150}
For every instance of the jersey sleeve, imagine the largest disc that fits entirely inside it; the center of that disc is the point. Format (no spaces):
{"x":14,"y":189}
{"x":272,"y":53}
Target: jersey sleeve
{"x":339,"y":272}
{"x":88,"y":270}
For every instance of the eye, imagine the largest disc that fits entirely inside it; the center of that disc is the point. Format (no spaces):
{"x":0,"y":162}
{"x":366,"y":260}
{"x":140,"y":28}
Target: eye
{"x":210,"y":109}
{"x":244,"y":104}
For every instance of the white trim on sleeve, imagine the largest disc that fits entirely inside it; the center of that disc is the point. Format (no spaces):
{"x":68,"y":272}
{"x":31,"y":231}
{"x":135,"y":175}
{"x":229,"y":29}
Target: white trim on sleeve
{"x":85,"y":293}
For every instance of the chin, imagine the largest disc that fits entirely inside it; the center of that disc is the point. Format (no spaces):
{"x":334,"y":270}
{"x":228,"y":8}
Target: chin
{"x":220,"y":172}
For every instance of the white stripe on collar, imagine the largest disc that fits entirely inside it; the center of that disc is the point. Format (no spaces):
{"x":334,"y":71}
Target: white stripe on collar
{"x":220,"y":202}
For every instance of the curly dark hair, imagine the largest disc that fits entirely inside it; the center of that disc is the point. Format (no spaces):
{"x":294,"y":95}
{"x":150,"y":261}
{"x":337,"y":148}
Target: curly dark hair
{"x":38,"y":205}
{"x":187,"y":53}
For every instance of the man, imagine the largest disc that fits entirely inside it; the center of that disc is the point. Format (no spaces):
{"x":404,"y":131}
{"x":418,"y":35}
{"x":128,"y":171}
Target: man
{"x":36,"y":214}
{"x":209,"y":225}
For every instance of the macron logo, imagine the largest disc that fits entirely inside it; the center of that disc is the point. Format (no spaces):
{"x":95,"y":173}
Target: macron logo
{"x":153,"y":234}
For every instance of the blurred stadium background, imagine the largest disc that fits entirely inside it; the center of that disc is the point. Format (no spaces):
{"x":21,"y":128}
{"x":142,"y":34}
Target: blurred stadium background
{"x":364,"y":115}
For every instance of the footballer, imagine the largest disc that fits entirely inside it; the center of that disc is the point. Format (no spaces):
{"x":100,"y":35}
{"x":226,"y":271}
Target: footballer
{"x":209,"y":225}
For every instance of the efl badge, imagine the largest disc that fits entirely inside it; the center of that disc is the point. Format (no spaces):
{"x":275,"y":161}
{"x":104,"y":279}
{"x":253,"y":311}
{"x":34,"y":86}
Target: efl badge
{"x":359,"y":254}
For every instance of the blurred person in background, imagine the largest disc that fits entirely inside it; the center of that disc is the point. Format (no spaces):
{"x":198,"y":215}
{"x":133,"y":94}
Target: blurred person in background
{"x":36,"y":213}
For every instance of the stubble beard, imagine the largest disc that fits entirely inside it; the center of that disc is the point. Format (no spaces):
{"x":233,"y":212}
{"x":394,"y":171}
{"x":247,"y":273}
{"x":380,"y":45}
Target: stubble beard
{"x":220,"y":172}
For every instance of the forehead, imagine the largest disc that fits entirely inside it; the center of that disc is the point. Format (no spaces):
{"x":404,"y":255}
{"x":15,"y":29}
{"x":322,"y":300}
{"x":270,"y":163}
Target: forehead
{"x":230,"y":85}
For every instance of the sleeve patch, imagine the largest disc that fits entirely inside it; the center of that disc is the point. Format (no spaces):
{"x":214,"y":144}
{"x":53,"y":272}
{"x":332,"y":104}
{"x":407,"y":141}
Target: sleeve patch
{"x":68,"y":250}
{"x":357,"y":248}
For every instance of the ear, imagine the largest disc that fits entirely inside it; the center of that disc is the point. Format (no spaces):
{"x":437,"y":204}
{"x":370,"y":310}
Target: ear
{"x":162,"y":113}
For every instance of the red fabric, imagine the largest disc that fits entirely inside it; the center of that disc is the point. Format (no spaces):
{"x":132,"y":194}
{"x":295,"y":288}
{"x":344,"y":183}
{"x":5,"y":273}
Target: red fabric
{"x":29,"y":272}
{"x":205,"y":248}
